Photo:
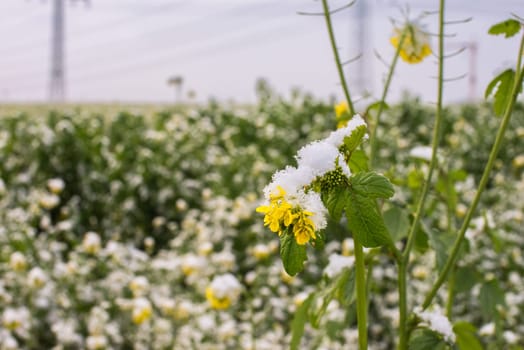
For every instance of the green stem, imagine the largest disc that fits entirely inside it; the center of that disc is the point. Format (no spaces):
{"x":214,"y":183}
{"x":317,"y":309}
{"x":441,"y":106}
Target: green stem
{"x":450,"y":262}
{"x":436,"y":138}
{"x":327,"y":16}
{"x":451,"y":292}
{"x":383,"y":99}
{"x":402,"y":276}
{"x":362,"y":304}
{"x":402,"y":290}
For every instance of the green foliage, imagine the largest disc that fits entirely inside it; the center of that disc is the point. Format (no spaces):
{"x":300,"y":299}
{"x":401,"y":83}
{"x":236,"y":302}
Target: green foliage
{"x":358,"y":161}
{"x":466,"y":336}
{"x":502,"y":84}
{"x":397,"y":222}
{"x":441,"y":242}
{"x":365,"y":221}
{"x":300,"y":318}
{"x":293,"y":254}
{"x":371,"y":185}
{"x":354,"y":140}
{"x":491,"y":296}
{"x":336,"y":201}
{"x":464,"y":279}
{"x":508,"y":27}
{"x":425,"y":339}
{"x":376,"y":106}
{"x":340,"y":289}
{"x":312,"y":310}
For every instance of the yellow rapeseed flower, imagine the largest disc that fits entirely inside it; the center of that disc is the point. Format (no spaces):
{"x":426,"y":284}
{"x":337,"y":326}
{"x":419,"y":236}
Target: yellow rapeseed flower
{"x":280,"y":215}
{"x":142,"y":310}
{"x":415,"y":46}
{"x":342,"y":114}
{"x":303,"y":228}
{"x":217,"y":303}
{"x":341,"y":108}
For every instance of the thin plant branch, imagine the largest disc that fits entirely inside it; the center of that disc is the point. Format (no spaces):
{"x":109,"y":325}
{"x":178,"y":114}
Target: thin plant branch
{"x":402,"y":275}
{"x":337,"y":57}
{"x":450,"y":262}
{"x":330,"y":12}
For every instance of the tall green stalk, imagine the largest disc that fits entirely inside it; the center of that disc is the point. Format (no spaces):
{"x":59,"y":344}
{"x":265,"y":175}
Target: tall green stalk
{"x":402,"y":275}
{"x":362,"y":304}
{"x":360,"y":269}
{"x":340,"y":70}
{"x":450,"y":262}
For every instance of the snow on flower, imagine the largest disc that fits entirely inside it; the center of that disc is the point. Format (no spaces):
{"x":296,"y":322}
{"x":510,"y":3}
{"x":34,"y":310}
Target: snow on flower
{"x":436,"y":321}
{"x":56,"y":185}
{"x":223,"y":291}
{"x":421,"y":152}
{"x":91,"y":243}
{"x":336,"y":138}
{"x":337,"y":263}
{"x":319,"y":156}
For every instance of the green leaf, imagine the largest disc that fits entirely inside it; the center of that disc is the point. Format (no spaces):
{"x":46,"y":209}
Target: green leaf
{"x":376,"y":105}
{"x":466,"y":336}
{"x":458,"y":175}
{"x":293,"y":255}
{"x":397,"y":222}
{"x":358,"y":161}
{"x":441,"y":242}
{"x":365,"y":222}
{"x":341,"y":288}
{"x":503,"y":84}
{"x":415,"y":178}
{"x":425,"y":339}
{"x":334,"y":329}
{"x":421,"y":240}
{"x":446,"y":188}
{"x":345,"y":292}
{"x":490,"y":296}
{"x":465,"y":278}
{"x":508,"y":27}
{"x":335,"y":202}
{"x":372,"y":185}
{"x":353,"y":141}
{"x":299,"y":322}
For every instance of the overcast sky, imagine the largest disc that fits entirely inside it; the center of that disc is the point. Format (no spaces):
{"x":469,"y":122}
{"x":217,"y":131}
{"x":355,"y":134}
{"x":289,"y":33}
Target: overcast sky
{"x":125,"y":50}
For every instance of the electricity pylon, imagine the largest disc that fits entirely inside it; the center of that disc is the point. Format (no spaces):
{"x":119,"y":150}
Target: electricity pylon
{"x":57,"y":81}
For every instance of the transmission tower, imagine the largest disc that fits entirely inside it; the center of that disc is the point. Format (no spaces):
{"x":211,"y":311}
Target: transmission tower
{"x":57,"y":82}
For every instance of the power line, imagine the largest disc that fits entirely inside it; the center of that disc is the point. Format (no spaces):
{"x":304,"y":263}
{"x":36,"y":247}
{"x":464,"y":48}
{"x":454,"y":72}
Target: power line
{"x":100,"y":46}
{"x":90,"y":31}
{"x":242,"y":39}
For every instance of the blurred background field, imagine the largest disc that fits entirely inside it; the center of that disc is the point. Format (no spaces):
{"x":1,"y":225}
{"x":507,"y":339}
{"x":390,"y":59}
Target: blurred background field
{"x":134,"y":151}
{"x":115,"y":220}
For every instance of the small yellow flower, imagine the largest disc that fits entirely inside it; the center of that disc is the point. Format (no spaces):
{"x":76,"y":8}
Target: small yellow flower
{"x":17,"y":261}
{"x":341,"y":108}
{"x":217,"y":303}
{"x":182,"y":310}
{"x":303,"y":228}
{"x":142,"y":310}
{"x":12,"y":324}
{"x":342,"y":114}
{"x":139,"y":286}
{"x":415,"y":46}
{"x":92,"y":243}
{"x":261,"y":251}
{"x":280,"y":215}
{"x":518,"y":161}
{"x":223,"y":291}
